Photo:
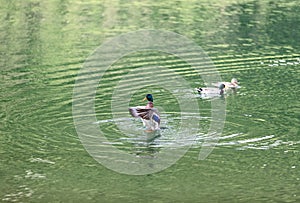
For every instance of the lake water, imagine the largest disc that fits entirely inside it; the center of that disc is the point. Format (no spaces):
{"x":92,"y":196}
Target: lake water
{"x":44,"y":45}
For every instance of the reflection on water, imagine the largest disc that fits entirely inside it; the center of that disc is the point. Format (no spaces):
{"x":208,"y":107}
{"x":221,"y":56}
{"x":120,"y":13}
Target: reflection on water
{"x":44,"y":44}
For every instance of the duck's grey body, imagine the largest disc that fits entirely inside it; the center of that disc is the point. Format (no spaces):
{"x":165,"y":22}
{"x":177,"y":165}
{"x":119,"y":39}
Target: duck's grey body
{"x":234,"y":84}
{"x":210,"y":92}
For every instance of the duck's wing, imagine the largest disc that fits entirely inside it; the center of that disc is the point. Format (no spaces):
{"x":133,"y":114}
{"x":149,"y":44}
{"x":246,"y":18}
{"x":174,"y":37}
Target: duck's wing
{"x":154,"y":115}
{"x":146,"y":114}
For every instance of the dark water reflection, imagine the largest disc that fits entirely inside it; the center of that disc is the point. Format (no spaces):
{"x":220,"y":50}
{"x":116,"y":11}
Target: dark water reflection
{"x":43,"y":46}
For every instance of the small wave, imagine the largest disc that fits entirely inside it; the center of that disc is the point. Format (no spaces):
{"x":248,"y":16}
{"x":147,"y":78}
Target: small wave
{"x":41,"y":160}
{"x":267,"y":146}
{"x":21,"y":192}
{"x":239,"y":142}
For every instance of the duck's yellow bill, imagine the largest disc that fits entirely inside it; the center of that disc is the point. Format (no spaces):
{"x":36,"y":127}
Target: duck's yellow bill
{"x":145,"y":99}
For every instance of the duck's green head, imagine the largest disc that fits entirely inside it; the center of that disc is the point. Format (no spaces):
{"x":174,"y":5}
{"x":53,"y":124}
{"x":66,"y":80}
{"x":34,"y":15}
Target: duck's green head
{"x":222,"y":86}
{"x":149,"y":97}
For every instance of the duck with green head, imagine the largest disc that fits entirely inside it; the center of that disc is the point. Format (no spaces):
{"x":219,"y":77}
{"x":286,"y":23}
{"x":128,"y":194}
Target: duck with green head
{"x":148,"y":114}
{"x":149,"y":97}
{"x":210,"y":92}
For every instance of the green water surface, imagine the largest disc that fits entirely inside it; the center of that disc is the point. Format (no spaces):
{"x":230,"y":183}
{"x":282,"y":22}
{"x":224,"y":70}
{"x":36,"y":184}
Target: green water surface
{"x":43,"y":45}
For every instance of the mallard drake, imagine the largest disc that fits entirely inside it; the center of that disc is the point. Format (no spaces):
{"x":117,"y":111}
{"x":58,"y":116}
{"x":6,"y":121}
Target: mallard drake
{"x":209,"y":92}
{"x":148,"y":114}
{"x":234,"y":84}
